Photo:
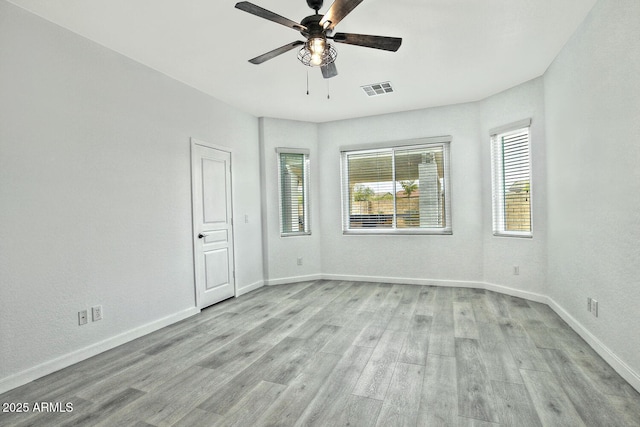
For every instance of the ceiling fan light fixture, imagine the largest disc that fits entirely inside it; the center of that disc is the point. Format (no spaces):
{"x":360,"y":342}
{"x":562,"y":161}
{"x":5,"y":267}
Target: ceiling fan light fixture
{"x":317,"y":53}
{"x":316,"y":59}
{"x":316,"y":47}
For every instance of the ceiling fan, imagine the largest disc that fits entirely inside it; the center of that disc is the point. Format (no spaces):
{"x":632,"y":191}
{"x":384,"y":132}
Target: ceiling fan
{"x":316,"y":29}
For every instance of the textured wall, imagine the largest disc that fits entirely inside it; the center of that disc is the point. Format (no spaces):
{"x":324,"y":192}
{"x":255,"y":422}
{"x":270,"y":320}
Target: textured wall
{"x":592,"y":97}
{"x":282,"y":253}
{"x":423,"y":257}
{"x":95,"y":193}
{"x":501,"y":254}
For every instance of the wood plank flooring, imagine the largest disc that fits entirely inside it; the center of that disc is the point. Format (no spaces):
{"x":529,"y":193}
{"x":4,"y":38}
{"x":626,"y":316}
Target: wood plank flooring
{"x":331,"y":353}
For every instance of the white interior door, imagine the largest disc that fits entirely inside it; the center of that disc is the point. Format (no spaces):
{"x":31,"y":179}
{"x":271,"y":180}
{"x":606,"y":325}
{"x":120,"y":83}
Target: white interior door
{"x":212,"y":224}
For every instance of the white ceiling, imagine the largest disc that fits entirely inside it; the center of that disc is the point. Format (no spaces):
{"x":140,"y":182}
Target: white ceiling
{"x":453,"y":51}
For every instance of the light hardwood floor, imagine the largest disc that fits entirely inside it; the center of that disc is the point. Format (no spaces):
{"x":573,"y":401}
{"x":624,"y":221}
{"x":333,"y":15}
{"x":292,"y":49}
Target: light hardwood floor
{"x":331,"y":353}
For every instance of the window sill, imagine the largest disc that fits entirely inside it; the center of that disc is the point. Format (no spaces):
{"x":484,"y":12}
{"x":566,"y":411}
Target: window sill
{"x":398,"y":232}
{"x":303,"y":233}
{"x":523,"y":235}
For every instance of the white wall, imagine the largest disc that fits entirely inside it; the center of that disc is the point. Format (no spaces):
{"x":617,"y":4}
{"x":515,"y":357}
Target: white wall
{"x":592,"y":101}
{"x":472,"y":255}
{"x":95,"y":195}
{"x":282,"y":253}
{"x":417,"y":258}
{"x":501,"y":254}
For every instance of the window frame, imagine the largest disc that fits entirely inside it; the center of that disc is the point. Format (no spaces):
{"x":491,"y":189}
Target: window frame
{"x":498,"y":190}
{"x":429,"y":142}
{"x":305,"y":191}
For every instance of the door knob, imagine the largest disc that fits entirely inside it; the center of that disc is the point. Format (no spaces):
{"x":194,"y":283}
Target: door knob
{"x":201,"y":236}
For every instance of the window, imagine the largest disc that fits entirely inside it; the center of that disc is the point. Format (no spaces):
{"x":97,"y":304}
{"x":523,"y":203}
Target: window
{"x":511,"y":172}
{"x":293,"y":167}
{"x":402,"y":189}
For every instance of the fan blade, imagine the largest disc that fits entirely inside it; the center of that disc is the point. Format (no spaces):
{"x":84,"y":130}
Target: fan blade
{"x":329,"y":70}
{"x":267,"y":14}
{"x":338,"y":10}
{"x":275,"y":52}
{"x":377,"y":42}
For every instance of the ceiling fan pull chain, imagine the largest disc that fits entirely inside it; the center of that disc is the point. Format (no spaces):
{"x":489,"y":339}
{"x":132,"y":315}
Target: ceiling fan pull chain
{"x":307,"y":82}
{"x":328,"y":90}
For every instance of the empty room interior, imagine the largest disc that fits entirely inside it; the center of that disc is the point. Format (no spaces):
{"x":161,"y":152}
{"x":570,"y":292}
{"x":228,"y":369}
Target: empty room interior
{"x":191,"y":238}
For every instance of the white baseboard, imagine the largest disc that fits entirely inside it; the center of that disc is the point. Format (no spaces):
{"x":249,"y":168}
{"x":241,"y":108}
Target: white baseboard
{"x":531,"y":296}
{"x":69,"y":359}
{"x":252,"y":287}
{"x":296,"y":279}
{"x":440,"y":282}
{"x":625,"y":371}
{"x":400,"y":280}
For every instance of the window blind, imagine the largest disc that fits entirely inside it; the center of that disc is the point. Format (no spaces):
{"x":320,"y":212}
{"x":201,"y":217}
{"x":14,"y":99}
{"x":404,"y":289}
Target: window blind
{"x":511,"y":170}
{"x":370,"y":189}
{"x":294,"y":187}
{"x":402,"y":189}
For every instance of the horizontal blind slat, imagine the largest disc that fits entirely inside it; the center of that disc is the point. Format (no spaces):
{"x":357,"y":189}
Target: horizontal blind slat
{"x":511,"y":181}
{"x":293,"y":203}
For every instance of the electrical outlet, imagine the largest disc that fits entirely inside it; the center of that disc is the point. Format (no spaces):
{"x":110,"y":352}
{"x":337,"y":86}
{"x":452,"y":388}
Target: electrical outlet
{"x":299,"y":260}
{"x":589,"y":302}
{"x":96,"y":313}
{"x":82,"y":317}
{"x":516,"y":270}
{"x":594,"y":308}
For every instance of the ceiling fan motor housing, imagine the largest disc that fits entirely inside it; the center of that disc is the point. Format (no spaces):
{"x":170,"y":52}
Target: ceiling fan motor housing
{"x":313,"y":27}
